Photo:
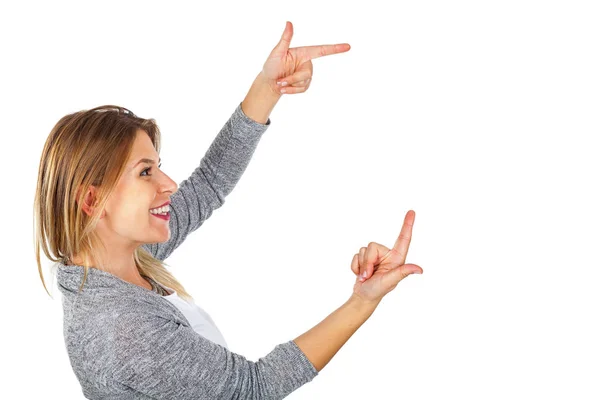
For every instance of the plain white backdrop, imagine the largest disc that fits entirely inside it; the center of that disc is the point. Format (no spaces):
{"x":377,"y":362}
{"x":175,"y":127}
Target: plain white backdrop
{"x":482,"y":117}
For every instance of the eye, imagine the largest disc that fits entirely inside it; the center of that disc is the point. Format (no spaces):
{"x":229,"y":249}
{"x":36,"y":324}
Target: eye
{"x":148,"y":169}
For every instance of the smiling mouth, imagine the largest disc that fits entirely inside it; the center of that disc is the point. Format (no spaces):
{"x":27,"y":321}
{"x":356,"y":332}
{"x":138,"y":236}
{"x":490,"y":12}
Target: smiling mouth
{"x":164,"y":210}
{"x":165,"y":216}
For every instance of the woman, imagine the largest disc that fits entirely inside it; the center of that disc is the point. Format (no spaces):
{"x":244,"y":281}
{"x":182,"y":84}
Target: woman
{"x":109,"y":216}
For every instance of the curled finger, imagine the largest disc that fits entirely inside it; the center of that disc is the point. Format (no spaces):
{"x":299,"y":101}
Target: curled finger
{"x":374,"y":255}
{"x":354,"y":264}
{"x":293,"y":89}
{"x":361,"y":262}
{"x":293,"y":79}
{"x":301,"y":83}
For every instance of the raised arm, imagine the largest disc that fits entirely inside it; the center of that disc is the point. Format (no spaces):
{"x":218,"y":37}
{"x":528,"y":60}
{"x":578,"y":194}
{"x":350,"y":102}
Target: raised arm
{"x":220,"y":169}
{"x":164,"y":359}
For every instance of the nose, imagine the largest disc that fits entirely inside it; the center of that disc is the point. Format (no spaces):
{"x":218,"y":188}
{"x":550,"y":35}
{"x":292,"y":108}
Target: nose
{"x":174,"y":187}
{"x":170,"y":185}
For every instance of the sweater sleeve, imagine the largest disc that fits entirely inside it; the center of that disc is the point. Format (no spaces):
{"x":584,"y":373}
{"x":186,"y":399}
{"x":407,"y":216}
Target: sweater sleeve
{"x":166,"y":360}
{"x":219,"y":171}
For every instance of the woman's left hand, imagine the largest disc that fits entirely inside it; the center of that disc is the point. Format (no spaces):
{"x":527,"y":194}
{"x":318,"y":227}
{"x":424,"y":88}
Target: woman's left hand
{"x":291,"y":69}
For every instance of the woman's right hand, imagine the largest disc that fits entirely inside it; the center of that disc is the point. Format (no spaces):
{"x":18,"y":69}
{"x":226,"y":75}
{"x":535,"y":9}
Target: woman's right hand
{"x":384,"y":268}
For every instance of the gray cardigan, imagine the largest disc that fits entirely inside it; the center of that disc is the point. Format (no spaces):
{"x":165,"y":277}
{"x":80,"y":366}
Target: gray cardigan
{"x":127,"y":342}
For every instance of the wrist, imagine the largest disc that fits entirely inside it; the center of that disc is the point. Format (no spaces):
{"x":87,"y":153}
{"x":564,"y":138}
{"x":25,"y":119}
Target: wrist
{"x":363,"y":304}
{"x":260,"y":100}
{"x":264,"y":83}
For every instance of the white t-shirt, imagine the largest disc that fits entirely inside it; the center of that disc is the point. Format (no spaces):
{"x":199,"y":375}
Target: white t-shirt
{"x":199,"y":319}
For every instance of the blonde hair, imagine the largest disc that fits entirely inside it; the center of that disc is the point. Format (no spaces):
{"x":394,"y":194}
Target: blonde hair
{"x":89,"y":147}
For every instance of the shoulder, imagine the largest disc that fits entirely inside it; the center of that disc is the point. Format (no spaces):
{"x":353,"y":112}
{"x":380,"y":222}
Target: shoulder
{"x":104,"y":311}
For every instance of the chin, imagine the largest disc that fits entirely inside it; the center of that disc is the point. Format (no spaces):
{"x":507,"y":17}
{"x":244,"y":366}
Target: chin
{"x":168,"y":236}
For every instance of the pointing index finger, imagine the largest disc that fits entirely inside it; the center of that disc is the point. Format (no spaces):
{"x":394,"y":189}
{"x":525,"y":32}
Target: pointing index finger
{"x":311,"y":52}
{"x":403,"y":241}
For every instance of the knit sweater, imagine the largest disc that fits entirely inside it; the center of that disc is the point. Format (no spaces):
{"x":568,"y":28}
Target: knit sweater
{"x":127,"y":342}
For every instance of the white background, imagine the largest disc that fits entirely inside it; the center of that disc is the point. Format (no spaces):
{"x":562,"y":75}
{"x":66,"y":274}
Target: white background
{"x":482,"y":117}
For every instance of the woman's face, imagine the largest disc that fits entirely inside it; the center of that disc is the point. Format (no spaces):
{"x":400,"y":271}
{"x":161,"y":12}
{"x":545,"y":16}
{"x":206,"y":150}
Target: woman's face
{"x":127,"y":220}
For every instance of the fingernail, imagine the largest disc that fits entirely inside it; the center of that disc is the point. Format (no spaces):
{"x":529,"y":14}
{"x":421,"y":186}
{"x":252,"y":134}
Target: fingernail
{"x":364,"y":275}
{"x":283,"y":83}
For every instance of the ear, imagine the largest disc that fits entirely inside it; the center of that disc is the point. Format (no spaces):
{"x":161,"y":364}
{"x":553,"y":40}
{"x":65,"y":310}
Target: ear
{"x":89,"y":200}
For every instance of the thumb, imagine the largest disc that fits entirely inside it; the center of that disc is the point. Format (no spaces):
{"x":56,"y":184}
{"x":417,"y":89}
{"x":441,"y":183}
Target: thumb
{"x":391,"y":278}
{"x":286,"y":38}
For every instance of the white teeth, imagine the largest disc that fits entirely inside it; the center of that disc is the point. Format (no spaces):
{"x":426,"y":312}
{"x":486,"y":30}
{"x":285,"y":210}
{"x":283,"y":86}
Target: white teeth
{"x":160,"y":210}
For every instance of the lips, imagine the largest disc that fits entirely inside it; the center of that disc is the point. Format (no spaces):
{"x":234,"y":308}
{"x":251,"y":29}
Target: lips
{"x":168,"y":202}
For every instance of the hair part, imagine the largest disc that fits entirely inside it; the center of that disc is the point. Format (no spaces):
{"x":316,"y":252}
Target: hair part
{"x":85,"y":148}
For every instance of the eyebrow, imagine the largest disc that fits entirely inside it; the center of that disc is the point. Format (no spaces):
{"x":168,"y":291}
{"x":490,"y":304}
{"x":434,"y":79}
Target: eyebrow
{"x":147,"y":161}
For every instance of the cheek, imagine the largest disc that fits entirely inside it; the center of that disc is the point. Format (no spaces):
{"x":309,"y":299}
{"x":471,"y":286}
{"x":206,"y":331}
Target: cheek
{"x":128,"y":215}
{"x":129,"y":207}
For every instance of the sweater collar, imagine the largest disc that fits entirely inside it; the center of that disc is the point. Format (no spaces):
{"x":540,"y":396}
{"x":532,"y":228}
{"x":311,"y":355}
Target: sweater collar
{"x":101,"y":288}
{"x":70,"y":277}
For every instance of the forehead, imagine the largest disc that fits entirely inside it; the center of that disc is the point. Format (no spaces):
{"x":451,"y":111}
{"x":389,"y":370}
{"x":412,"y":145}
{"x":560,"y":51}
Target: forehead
{"x":142,"y":148}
